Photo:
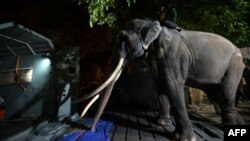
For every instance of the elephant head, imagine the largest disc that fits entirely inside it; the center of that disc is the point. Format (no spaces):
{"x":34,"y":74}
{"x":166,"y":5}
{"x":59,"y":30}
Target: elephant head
{"x":130,"y":44}
{"x":136,"y":37}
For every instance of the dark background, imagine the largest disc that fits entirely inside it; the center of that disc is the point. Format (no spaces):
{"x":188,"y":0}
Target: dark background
{"x":66,"y":24}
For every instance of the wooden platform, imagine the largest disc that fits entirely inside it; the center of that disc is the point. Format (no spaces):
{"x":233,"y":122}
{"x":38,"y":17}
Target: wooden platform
{"x":141,"y":126}
{"x":127,"y":126}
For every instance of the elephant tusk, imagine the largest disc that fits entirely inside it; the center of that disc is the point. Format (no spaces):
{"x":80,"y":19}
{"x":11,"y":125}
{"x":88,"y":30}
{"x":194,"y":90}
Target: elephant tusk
{"x":104,"y":100}
{"x":102,"y":105}
{"x":118,"y":75}
{"x":89,"y":105}
{"x":105,"y":84}
{"x":96,"y":97}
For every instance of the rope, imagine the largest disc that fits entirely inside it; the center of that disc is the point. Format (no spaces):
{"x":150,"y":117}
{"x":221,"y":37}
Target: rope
{"x":17,"y":69}
{"x":17,"y":77}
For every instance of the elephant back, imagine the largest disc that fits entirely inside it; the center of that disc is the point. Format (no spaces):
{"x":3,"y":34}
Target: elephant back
{"x":245,"y":52}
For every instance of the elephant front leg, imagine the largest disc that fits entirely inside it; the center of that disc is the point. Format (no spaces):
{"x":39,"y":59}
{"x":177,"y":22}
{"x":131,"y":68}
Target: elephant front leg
{"x":184,"y":130}
{"x":164,"y":106}
{"x":164,"y":116}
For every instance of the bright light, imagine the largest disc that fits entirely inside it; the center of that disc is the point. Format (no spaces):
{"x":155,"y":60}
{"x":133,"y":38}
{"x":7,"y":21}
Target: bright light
{"x":26,"y":75}
{"x":45,"y":62}
{"x":42,"y":66}
{"x":29,"y":75}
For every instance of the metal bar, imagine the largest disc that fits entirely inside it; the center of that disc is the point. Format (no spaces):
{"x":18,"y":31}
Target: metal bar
{"x":6,"y":25}
{"x":11,"y":51}
{"x":39,"y":35}
{"x":21,"y":69}
{"x":7,"y":78}
{"x":32,"y":51}
{"x":40,"y":44}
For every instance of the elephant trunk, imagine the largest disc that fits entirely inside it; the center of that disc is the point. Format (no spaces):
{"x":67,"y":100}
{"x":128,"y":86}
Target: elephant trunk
{"x":102,"y":105}
{"x":109,"y":84}
{"x":104,"y":101}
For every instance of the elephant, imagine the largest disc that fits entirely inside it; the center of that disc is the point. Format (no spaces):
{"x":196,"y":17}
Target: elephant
{"x":202,"y":60}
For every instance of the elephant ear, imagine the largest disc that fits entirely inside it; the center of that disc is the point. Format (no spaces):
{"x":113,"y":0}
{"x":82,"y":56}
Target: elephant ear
{"x":149,"y":32}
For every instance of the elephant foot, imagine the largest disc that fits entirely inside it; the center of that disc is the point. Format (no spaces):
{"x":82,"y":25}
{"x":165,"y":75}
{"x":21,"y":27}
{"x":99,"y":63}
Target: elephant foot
{"x":239,"y":119}
{"x":232,"y":118}
{"x":184,"y":137}
{"x":164,"y":121}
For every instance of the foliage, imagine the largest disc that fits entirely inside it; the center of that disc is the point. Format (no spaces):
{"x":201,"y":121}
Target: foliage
{"x":225,"y":17}
{"x":99,"y":11}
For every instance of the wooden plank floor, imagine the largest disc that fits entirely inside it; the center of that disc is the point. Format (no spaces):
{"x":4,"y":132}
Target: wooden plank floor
{"x":131,"y":126}
{"x":141,"y":126}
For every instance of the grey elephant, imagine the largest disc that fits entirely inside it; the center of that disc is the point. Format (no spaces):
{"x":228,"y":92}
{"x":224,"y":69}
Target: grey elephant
{"x":198,"y":59}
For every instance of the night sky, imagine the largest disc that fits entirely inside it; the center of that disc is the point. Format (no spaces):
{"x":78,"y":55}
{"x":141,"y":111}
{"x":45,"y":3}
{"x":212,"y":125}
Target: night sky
{"x":66,"y":24}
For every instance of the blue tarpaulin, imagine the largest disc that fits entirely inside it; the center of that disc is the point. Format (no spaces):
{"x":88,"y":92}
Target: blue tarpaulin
{"x":101,"y":133}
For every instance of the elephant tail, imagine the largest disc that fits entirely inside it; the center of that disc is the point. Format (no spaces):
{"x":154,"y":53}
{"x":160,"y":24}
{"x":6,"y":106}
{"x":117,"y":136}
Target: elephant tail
{"x":245,"y":52}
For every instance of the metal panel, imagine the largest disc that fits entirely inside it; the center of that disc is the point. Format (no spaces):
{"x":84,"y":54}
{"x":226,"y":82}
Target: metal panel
{"x":18,"y":39}
{"x":8,"y":76}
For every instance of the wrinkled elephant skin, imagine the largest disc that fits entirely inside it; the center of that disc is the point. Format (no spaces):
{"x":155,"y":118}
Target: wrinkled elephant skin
{"x":197,"y":59}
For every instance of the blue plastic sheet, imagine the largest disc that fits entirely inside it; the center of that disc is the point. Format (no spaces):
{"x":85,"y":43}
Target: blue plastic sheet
{"x":101,"y":133}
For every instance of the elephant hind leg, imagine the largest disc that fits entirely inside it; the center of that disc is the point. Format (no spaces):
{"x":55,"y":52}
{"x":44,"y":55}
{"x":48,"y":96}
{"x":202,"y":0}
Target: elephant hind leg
{"x":230,"y":84}
{"x":239,"y":119}
{"x":213,"y":94}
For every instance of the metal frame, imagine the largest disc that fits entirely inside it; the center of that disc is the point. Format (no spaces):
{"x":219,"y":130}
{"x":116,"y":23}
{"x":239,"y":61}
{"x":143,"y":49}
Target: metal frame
{"x":34,"y":52}
{"x":28,"y":45}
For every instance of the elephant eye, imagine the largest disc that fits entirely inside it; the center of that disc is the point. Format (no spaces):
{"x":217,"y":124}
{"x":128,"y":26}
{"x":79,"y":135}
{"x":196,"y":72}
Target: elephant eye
{"x":129,"y":47}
